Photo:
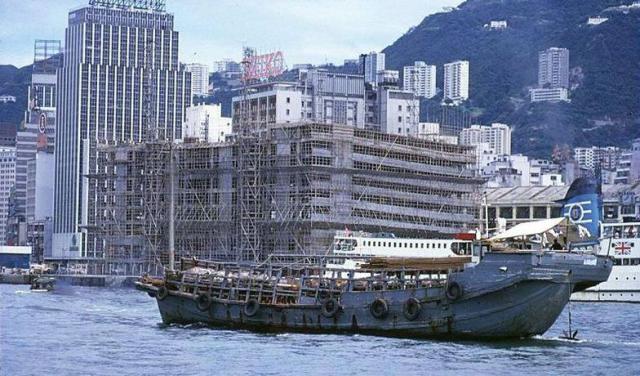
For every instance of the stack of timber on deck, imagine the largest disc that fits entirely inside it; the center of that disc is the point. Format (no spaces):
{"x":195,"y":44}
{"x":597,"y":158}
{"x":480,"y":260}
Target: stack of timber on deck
{"x":415,"y":263}
{"x":309,"y":179}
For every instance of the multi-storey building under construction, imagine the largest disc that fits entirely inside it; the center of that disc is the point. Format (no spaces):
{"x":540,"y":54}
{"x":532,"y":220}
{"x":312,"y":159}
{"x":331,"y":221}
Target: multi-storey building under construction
{"x":287,"y":191}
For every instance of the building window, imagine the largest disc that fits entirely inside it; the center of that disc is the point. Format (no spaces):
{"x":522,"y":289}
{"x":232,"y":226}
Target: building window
{"x":287,"y":111}
{"x":540,"y":212}
{"x":288,"y":100}
{"x":399,"y":107}
{"x":522,"y":212}
{"x":506,"y":212}
{"x":556,"y":212}
{"x":399,"y":119}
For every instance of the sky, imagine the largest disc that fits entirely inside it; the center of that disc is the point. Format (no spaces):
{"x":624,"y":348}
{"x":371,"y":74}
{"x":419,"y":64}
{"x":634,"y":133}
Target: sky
{"x":307,"y":31}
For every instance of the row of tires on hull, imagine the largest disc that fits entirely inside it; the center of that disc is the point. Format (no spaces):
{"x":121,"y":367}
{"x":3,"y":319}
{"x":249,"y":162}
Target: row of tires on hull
{"x":379,"y":308}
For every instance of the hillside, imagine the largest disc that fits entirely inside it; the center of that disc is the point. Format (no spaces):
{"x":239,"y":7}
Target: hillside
{"x":14,"y":81}
{"x":503,"y":66}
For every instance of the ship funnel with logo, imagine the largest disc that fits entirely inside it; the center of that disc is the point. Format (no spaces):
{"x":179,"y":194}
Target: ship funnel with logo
{"x":583,"y":205}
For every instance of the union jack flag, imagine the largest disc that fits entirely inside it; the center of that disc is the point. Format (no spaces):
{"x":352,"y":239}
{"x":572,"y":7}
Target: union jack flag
{"x":622,"y":248}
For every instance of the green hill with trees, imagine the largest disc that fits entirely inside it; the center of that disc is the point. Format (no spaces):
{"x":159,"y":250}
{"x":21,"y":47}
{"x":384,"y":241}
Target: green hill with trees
{"x":604,"y":60}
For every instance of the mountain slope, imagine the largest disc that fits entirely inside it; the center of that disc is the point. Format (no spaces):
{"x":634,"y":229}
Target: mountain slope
{"x":605,"y":61}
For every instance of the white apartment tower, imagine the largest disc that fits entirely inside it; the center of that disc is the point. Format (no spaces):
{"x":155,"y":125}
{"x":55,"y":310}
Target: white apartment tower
{"x":373,"y":63}
{"x":497,"y":136}
{"x":7,"y":181}
{"x":120,"y":77}
{"x":456,"y":81}
{"x":553,"y":68}
{"x":420,"y":79}
{"x":199,"y":78}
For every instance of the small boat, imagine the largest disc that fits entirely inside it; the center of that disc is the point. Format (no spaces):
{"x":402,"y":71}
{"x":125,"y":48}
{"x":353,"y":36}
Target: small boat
{"x":42,"y":284}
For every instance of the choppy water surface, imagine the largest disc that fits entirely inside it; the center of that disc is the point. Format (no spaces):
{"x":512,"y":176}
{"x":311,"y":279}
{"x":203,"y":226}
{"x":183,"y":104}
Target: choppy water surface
{"x":96,"y":331}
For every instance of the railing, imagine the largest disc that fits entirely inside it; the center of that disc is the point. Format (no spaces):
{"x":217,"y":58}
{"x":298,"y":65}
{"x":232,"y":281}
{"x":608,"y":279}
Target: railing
{"x":293,"y":283}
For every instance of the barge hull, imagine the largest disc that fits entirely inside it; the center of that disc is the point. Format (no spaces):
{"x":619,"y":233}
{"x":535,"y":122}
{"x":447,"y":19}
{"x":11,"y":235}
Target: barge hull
{"x":520,"y":310}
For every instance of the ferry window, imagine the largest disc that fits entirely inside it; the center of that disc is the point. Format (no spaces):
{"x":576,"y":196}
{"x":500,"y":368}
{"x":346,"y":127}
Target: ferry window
{"x":394,"y":244}
{"x":625,"y":261}
{"x":410,"y":245}
{"x":556,"y":212}
{"x":439,"y":244}
{"x":617,"y":262}
{"x":428,"y":245}
{"x":421,"y":245}
{"x":455,"y":248}
{"x":635,"y":261}
{"x":610,"y":212}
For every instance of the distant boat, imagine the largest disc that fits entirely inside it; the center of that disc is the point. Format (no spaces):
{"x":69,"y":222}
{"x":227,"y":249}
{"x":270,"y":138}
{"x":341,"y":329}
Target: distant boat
{"x":42,"y":284}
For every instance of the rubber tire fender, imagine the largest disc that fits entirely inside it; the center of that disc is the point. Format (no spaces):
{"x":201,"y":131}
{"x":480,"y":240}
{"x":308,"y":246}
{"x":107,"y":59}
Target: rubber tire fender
{"x":251,"y":307}
{"x":162,"y":293}
{"x":411,"y":309}
{"x":379,"y":308}
{"x":454,"y":291}
{"x":329,"y":308}
{"x":203,"y":301}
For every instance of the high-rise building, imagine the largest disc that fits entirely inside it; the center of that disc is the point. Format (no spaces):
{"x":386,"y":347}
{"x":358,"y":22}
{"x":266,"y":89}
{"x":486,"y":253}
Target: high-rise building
{"x":456,"y":81}
{"x":399,"y":111}
{"x":38,"y":132}
{"x":226,"y":65}
{"x":316,"y":96}
{"x":199,"y":78}
{"x":7,"y":181}
{"x":120,"y":83}
{"x":372,"y":63}
{"x":420,"y":79}
{"x":553,"y":68}
{"x":605,"y":157}
{"x":206,"y":123}
{"x":498,"y":136}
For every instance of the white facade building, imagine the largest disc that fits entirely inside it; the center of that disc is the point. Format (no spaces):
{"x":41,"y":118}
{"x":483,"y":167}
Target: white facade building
{"x":420,"y":79}
{"x":317,"y":96}
{"x":498,"y":24}
{"x":7,"y":98}
{"x":40,"y":177}
{"x":606,"y":157}
{"x":7,"y":181}
{"x":553,"y":68}
{"x":558,"y":94}
{"x":373,"y":63}
{"x":456,"y":81}
{"x":199,"y":78}
{"x":634,"y":172}
{"x":399,"y":111}
{"x":497,"y":136}
{"x":206,"y":123}
{"x":225,"y":65}
{"x":597,"y":20}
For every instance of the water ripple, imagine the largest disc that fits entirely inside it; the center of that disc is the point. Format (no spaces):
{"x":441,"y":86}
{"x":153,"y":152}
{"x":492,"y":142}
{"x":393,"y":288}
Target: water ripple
{"x":93,"y":331}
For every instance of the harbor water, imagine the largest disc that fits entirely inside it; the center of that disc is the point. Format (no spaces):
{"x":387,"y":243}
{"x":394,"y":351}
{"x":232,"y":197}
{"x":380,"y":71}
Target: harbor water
{"x":100,"y":331}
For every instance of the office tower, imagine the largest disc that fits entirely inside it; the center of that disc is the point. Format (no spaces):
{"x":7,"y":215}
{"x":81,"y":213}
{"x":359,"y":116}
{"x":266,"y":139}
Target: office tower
{"x":7,"y":181}
{"x":120,"y":83}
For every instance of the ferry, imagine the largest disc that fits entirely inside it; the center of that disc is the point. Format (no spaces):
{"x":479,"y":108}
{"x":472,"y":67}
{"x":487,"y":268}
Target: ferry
{"x":622,"y":242}
{"x":356,"y":248}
